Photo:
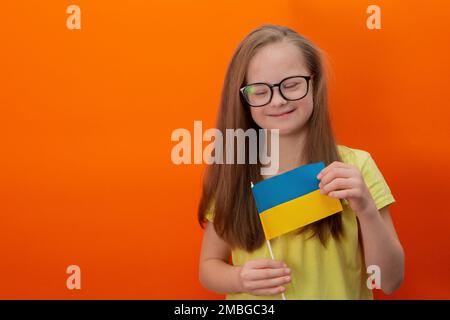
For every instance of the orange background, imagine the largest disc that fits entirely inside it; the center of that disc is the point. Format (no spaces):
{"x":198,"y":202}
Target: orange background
{"x":86,"y":176}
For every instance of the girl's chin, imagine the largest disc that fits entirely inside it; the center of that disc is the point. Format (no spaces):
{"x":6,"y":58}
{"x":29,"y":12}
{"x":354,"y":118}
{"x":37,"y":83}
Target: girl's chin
{"x":285,"y":127}
{"x":286,"y":130}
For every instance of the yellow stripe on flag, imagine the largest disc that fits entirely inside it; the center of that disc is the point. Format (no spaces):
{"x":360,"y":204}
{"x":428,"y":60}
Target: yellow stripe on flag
{"x":297,"y":213}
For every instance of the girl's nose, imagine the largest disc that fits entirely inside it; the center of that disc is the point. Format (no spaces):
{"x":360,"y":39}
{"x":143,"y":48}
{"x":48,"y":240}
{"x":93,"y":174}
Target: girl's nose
{"x":277,"y":99}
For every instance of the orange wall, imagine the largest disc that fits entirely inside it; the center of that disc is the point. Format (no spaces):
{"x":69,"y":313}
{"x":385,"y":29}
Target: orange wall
{"x":86,"y":176}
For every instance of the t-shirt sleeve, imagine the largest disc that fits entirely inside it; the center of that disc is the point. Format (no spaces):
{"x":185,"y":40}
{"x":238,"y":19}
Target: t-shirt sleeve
{"x":376,"y":183}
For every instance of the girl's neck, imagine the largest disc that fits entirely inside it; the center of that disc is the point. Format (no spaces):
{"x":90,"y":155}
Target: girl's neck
{"x":291,"y":151}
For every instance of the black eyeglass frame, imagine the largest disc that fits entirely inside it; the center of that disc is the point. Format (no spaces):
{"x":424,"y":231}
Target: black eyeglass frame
{"x":271,"y":86}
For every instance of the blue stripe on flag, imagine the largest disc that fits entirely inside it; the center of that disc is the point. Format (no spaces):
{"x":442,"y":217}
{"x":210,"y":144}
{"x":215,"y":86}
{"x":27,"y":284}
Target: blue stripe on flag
{"x":286,"y":186}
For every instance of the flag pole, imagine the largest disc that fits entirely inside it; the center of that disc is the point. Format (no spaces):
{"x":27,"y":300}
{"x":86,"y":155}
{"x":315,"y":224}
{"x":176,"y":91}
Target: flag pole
{"x":273,"y":258}
{"x":271,"y":252}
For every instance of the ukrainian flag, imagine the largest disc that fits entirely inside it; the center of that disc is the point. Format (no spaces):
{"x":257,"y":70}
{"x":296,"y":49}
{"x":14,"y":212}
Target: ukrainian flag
{"x":292,"y":200}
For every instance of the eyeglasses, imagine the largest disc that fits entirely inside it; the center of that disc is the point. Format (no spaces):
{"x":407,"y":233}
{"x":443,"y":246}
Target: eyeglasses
{"x":292,"y":88}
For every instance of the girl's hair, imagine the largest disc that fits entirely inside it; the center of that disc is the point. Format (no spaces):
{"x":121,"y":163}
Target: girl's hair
{"x":226,"y":187}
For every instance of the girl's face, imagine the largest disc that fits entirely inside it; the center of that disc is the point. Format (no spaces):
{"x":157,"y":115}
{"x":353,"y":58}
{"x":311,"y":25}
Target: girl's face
{"x":271,"y":64}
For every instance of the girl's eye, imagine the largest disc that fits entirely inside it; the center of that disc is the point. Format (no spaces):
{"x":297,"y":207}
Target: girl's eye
{"x":256,"y":91}
{"x":250,"y":90}
{"x":260,"y":92}
{"x":291,"y":85}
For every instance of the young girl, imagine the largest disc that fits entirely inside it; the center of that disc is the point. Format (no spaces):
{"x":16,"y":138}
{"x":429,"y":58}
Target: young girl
{"x":327,"y":259}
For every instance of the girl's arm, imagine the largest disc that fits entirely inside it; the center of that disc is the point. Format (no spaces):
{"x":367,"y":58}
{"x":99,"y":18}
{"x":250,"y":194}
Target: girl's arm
{"x":215,"y":273}
{"x":263,"y":277}
{"x":382,"y":247}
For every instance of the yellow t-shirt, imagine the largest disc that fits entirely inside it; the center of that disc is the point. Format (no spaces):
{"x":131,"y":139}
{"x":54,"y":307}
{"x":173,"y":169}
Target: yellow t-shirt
{"x":336,"y":271}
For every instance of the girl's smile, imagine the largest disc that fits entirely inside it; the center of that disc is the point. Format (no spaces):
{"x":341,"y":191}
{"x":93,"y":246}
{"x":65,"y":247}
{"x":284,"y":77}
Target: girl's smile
{"x":282,"y":114}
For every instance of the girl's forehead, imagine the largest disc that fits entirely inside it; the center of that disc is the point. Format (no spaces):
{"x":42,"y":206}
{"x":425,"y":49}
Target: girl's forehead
{"x":274,"y":62}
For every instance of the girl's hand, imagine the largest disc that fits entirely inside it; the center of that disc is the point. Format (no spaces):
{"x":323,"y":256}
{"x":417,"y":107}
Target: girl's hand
{"x":263,"y":277}
{"x":344,"y":181}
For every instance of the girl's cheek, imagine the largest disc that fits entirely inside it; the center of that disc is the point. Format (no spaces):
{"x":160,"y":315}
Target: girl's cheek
{"x":259,"y":117}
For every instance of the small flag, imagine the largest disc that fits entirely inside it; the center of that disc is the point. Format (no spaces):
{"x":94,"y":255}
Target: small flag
{"x":292,"y":200}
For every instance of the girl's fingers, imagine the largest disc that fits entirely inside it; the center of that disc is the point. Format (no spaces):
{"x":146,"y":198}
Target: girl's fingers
{"x":335,"y":164}
{"x":337,"y":184}
{"x":268,"y":292}
{"x":333,"y":174}
{"x":343,"y":194}
{"x":268,"y":283}
{"x":259,"y":274}
{"x":265,"y":263}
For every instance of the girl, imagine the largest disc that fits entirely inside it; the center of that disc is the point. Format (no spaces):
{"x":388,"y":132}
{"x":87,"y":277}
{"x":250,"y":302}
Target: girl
{"x":326,"y":259}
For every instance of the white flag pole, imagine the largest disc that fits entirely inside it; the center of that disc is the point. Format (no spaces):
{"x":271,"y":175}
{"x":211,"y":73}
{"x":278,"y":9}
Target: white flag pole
{"x":273,"y":258}
{"x":271,"y":252}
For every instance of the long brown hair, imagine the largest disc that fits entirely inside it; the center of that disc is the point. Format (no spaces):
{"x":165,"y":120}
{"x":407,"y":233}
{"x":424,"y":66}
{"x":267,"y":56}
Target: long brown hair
{"x":226,"y":187}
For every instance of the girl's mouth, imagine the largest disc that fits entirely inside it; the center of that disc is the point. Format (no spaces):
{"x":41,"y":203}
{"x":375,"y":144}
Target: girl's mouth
{"x":282,"y":115}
